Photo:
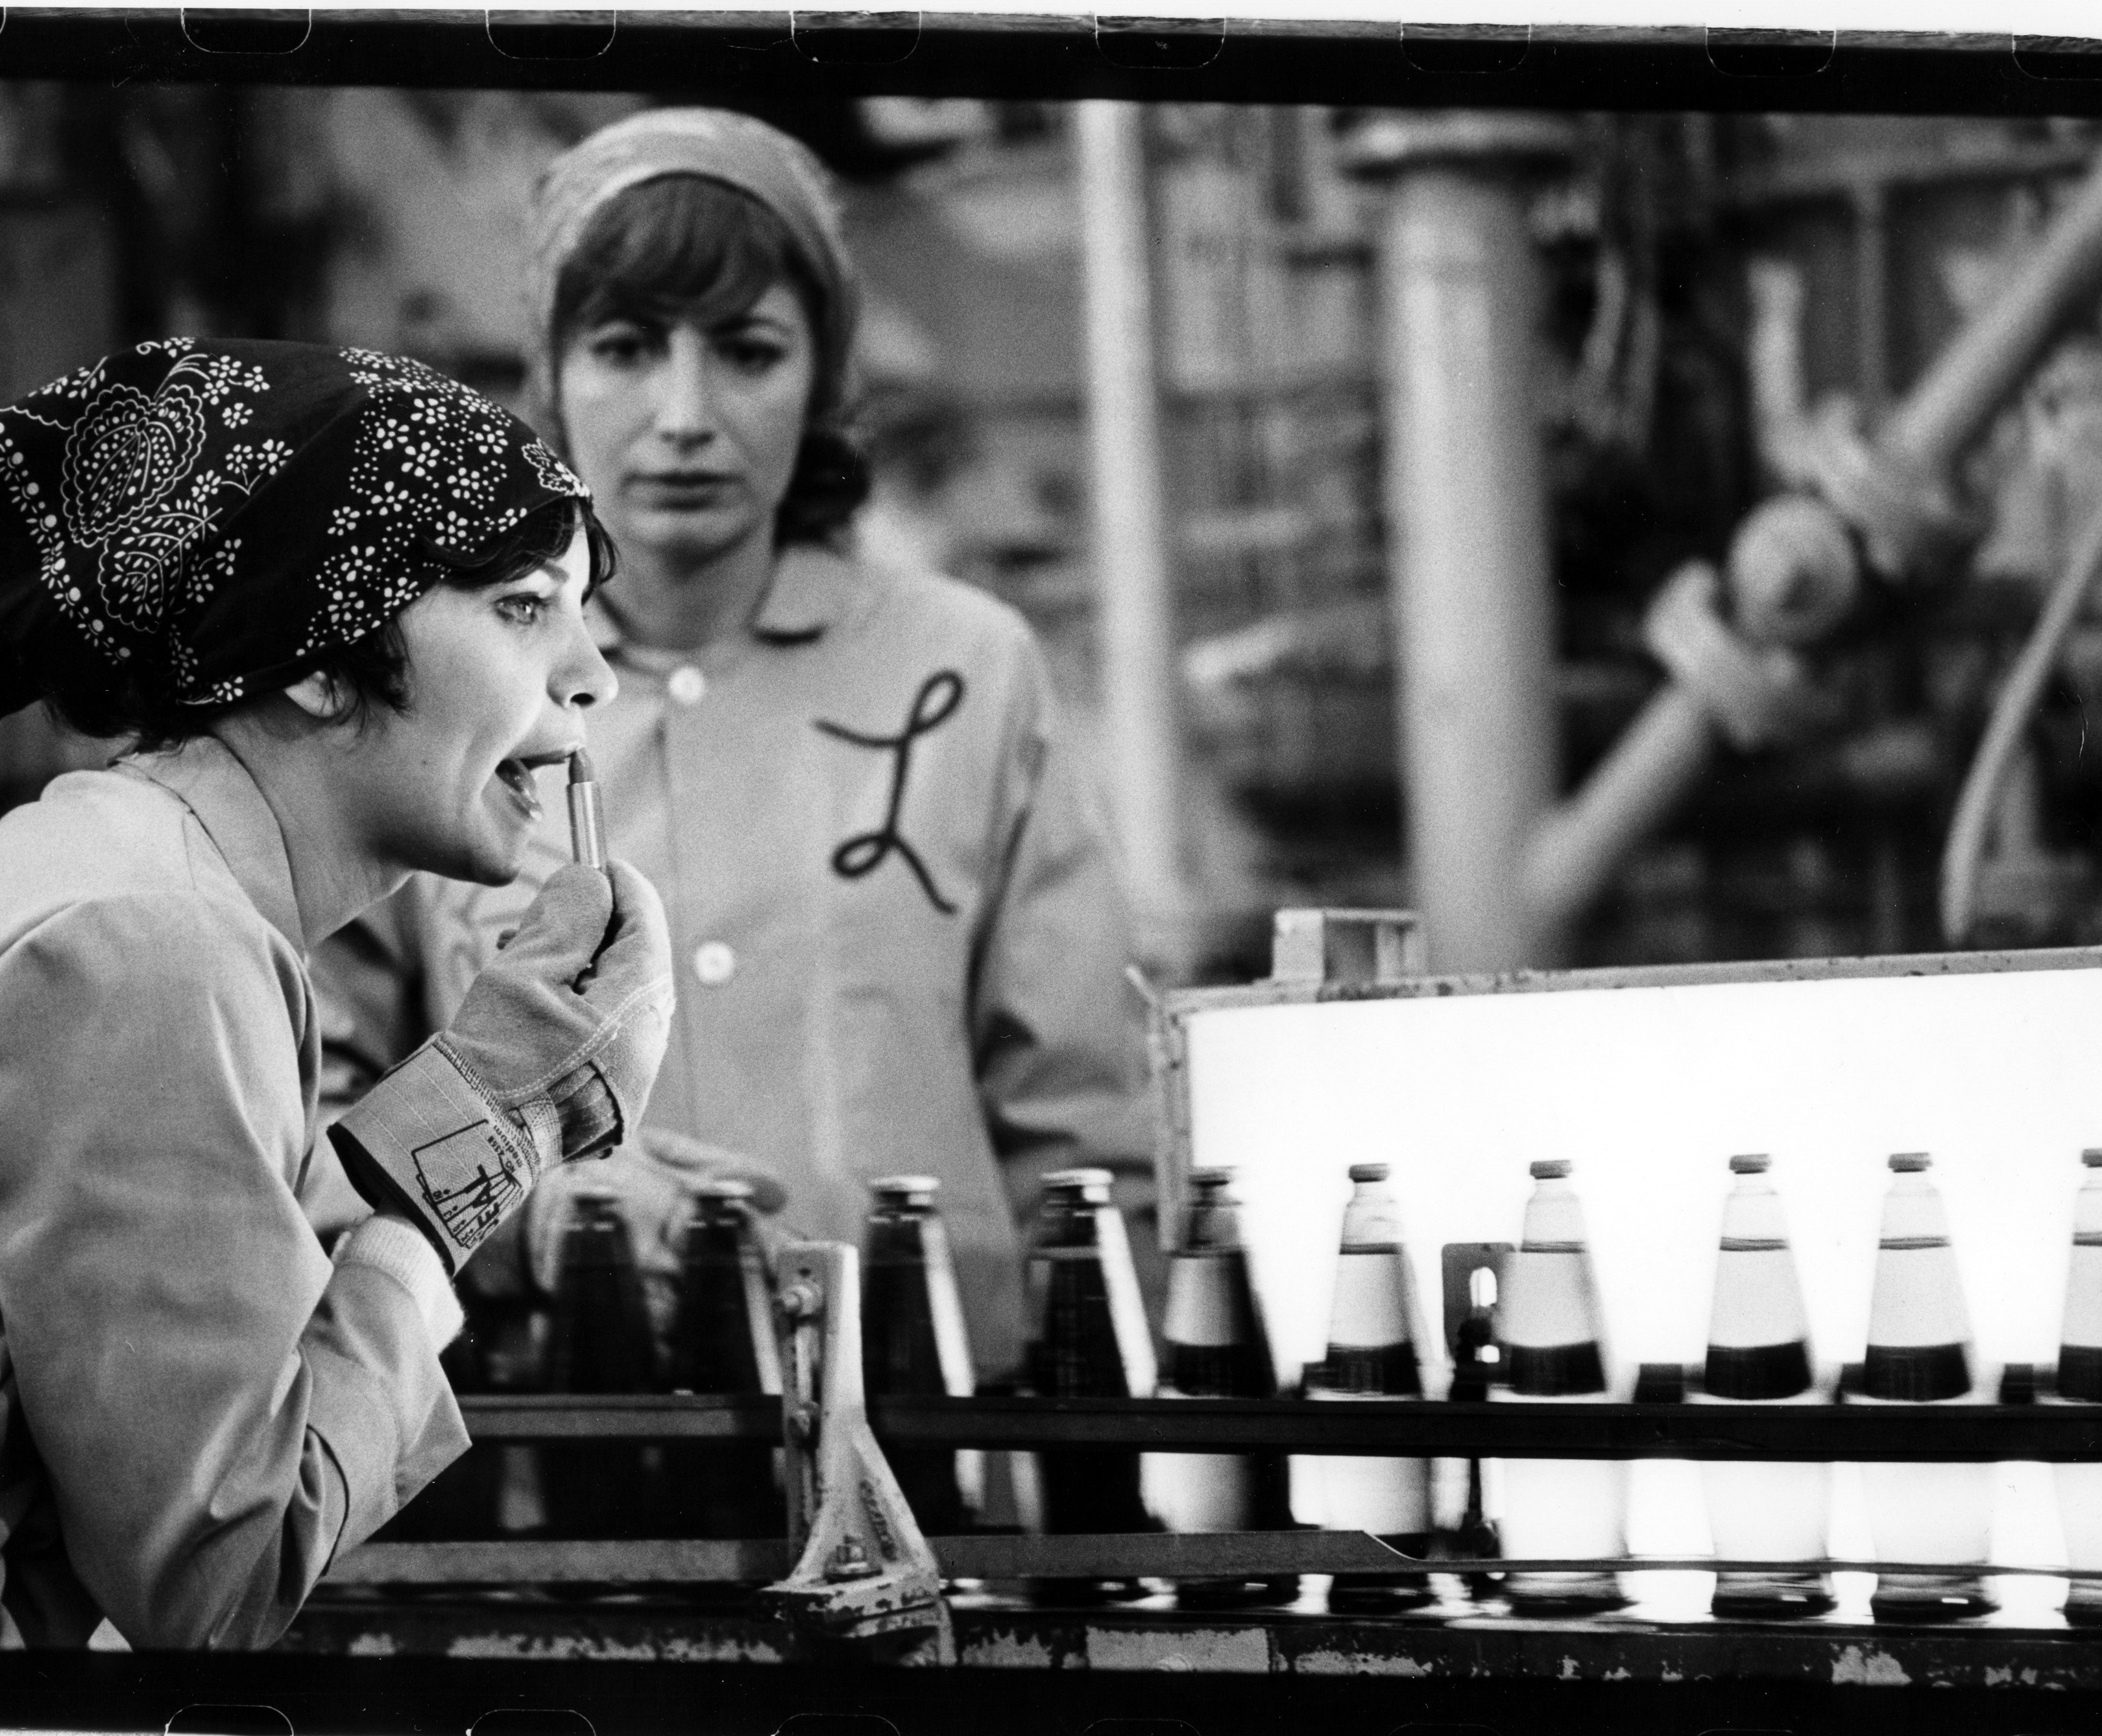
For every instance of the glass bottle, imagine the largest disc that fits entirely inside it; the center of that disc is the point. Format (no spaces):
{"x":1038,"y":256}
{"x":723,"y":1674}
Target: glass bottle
{"x":913,"y":1342}
{"x":1216,"y":1347}
{"x":1089,"y":1339}
{"x":723,"y":1342}
{"x":600,"y":1341}
{"x":1373,"y":1353}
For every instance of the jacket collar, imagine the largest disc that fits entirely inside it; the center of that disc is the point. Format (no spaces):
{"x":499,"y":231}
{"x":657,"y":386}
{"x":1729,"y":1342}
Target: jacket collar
{"x":205,"y":776}
{"x":813,"y":590}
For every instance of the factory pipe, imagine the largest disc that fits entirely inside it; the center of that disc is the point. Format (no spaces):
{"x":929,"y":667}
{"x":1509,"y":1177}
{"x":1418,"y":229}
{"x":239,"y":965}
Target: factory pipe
{"x":1792,"y":582}
{"x":1132,"y":572}
{"x":1468,"y":555}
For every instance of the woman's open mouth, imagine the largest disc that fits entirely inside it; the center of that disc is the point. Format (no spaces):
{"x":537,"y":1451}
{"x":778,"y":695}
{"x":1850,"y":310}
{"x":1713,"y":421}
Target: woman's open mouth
{"x":517,"y":778}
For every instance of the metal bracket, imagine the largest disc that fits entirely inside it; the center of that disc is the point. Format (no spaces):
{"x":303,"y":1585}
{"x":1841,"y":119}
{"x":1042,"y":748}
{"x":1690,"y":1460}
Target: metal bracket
{"x":862,"y":1568}
{"x":1347,"y":946}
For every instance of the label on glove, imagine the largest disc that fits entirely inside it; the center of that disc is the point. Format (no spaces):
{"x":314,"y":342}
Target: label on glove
{"x":441,"y":1148}
{"x":470,"y":1182}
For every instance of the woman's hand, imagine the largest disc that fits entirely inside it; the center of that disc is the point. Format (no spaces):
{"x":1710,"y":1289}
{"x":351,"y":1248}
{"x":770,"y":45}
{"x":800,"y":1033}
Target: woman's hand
{"x":551,"y":1057}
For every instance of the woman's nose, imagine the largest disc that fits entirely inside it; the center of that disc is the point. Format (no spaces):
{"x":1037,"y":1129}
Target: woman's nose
{"x":684,"y":412}
{"x":583,"y":677}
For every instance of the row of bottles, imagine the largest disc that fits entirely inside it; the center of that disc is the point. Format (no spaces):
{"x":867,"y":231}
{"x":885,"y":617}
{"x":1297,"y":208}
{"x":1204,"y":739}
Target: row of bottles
{"x":1919,"y":1352}
{"x":1542,"y":1341}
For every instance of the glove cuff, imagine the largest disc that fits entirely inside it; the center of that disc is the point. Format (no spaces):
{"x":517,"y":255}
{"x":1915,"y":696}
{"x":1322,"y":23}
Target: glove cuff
{"x":431,"y":1142}
{"x":589,"y":1114}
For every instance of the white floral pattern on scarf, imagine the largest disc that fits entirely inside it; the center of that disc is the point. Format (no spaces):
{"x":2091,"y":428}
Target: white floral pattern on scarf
{"x":136,"y":497}
{"x":426,"y":470}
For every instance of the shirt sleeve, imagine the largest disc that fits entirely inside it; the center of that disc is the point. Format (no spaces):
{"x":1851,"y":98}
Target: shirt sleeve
{"x":1056,"y":1027}
{"x":218,"y":1409}
{"x":368,"y":1004}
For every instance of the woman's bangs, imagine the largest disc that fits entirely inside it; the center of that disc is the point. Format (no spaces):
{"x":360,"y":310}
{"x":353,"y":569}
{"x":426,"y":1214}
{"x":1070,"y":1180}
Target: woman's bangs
{"x":677,"y":247}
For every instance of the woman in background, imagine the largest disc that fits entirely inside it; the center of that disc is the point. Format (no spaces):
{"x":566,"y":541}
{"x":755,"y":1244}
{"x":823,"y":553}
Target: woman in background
{"x":901,"y":943}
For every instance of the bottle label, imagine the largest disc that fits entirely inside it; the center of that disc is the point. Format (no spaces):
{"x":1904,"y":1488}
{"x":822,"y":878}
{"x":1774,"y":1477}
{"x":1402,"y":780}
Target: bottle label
{"x":1758,"y":1300}
{"x":951,"y":1343}
{"x":1371,"y":1304}
{"x":1209,"y":1301}
{"x":1127,"y":1306}
{"x":1917,"y":1300}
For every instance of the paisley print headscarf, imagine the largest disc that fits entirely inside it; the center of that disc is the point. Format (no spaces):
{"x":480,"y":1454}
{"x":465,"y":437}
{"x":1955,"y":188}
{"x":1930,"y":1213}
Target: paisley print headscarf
{"x":231,"y":512}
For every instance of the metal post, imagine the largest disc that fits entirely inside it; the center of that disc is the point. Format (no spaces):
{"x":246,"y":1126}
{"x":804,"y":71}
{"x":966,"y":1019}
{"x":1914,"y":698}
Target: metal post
{"x":1468,"y":557}
{"x":1134,"y":574}
{"x":1872,"y":296}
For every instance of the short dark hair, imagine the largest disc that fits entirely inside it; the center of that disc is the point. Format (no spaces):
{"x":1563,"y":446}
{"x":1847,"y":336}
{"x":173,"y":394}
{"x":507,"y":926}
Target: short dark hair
{"x":685,"y":247}
{"x":140,"y":704}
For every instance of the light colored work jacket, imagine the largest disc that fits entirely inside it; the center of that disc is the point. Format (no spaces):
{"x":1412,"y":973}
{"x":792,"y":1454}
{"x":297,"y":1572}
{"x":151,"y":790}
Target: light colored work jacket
{"x":196,"y":1409}
{"x":900,"y":939}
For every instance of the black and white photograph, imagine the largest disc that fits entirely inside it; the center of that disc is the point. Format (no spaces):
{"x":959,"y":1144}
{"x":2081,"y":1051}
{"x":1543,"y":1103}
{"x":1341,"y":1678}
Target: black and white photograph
{"x":892,"y":874}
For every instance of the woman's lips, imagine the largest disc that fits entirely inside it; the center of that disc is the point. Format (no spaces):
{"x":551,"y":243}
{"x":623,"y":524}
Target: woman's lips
{"x":696,"y":486}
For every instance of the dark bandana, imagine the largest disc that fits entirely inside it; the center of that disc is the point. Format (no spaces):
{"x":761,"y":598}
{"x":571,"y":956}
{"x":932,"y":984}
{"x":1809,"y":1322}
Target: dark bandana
{"x":230,"y":513}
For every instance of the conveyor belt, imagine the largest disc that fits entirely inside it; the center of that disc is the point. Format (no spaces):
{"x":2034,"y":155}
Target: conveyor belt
{"x":1453,"y":1641}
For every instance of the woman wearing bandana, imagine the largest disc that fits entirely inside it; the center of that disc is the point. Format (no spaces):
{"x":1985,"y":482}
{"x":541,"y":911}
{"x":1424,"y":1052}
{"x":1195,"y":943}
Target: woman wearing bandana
{"x":899,"y":942}
{"x":337,"y":602}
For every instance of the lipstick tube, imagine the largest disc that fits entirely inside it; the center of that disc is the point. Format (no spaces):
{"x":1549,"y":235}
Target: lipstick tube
{"x":587,"y":819}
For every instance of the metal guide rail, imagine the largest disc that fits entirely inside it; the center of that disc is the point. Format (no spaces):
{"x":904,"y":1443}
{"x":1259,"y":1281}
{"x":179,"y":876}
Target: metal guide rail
{"x":2050,"y":1432}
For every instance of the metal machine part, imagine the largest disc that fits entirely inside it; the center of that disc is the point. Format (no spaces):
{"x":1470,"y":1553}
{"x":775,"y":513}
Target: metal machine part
{"x":1880,"y":510}
{"x":862,"y":1568}
{"x":1502,"y":868}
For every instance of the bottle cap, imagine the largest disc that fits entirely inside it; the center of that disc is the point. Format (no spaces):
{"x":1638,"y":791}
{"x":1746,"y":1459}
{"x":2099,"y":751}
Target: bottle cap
{"x":1079,"y":1178}
{"x":2092,"y":1156}
{"x":1369,"y":1172}
{"x":1209,"y":1176}
{"x":1550,"y":1169}
{"x":1750,"y":1164}
{"x":888,"y":1188}
{"x":1905,"y":1163}
{"x":594,"y":1191}
{"x":1090,"y":1187}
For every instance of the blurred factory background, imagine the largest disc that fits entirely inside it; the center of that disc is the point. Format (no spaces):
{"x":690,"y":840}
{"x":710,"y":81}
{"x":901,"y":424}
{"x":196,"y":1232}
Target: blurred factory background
{"x":1340,"y":460}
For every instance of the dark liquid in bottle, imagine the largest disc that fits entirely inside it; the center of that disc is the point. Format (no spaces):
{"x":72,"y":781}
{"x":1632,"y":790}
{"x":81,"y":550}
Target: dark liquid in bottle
{"x":600,"y":1342}
{"x":1077,"y":1353}
{"x":902,"y":1349}
{"x":727,"y":1489}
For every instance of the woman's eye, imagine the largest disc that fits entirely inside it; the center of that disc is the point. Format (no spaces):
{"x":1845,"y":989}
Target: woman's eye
{"x":522,"y":611}
{"x":751,"y":355}
{"x":618,"y":344}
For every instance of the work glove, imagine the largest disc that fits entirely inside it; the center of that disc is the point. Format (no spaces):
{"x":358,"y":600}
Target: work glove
{"x":550,"y":1058}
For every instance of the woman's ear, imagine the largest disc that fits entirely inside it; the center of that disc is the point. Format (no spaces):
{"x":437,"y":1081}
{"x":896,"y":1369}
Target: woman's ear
{"x":320,"y":696}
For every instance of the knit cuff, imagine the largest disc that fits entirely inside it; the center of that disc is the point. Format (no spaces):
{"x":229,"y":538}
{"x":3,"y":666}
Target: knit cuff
{"x":396,"y":1247}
